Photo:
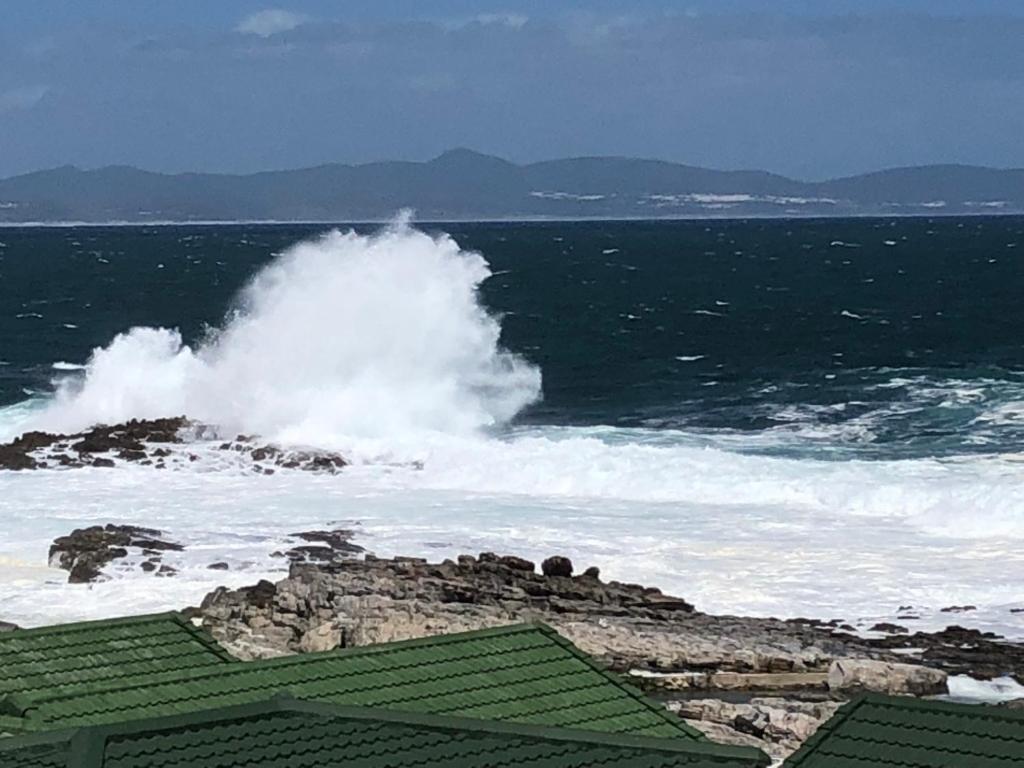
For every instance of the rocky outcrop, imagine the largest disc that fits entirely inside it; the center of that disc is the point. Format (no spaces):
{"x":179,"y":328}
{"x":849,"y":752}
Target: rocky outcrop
{"x":158,"y":443}
{"x":322,"y":547}
{"x":960,"y":651}
{"x":86,"y":551}
{"x":777,"y":726}
{"x":265,"y":458}
{"x":858,"y":675}
{"x":353,"y":602}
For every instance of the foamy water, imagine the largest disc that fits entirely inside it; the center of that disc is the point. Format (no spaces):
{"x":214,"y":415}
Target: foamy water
{"x":378,"y":346}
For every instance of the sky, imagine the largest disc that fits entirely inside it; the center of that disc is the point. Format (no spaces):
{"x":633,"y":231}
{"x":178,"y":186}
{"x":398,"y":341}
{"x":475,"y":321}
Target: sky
{"x":809,"y":88}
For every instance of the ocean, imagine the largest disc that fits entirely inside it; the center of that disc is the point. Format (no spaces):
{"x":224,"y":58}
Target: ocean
{"x":795,"y":417}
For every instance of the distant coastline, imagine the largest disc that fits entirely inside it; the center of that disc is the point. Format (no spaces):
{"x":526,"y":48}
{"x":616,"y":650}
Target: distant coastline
{"x":462,"y":186}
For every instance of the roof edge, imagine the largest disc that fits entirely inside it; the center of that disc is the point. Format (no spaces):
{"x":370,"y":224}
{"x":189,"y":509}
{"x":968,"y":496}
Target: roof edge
{"x":621,"y":683}
{"x":90,"y":740}
{"x":74,"y":626}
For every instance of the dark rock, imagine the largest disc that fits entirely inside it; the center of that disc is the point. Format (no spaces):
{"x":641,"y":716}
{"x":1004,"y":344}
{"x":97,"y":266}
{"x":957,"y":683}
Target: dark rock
{"x":126,"y":440}
{"x":218,"y":566}
{"x":593,"y":572}
{"x":890,"y":628}
{"x":959,"y":609}
{"x":517,"y":563}
{"x":961,"y":651}
{"x":86,"y":551}
{"x":102,"y":462}
{"x":15,"y":459}
{"x":557,"y":566}
{"x":148,"y":566}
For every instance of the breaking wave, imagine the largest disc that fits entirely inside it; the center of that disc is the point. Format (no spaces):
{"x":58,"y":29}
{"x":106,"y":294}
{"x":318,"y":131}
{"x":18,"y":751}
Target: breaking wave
{"x":344,"y":337}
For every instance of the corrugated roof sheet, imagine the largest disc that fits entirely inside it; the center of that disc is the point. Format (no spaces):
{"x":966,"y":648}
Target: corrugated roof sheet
{"x":524,"y":673}
{"x":286,"y":732}
{"x":875,"y":731}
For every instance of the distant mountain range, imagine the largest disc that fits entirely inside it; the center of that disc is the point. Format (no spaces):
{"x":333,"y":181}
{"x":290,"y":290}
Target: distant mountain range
{"x":462,"y":184}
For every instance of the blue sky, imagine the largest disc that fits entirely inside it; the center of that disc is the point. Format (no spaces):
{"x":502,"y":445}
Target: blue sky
{"x":809,"y":89}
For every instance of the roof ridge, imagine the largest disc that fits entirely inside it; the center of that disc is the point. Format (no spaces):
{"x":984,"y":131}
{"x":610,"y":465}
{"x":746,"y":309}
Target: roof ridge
{"x":213,"y":670}
{"x":619,"y":681}
{"x":203,"y":636}
{"x":74,"y":626}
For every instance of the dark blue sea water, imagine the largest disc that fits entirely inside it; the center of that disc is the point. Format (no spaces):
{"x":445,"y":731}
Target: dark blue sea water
{"x":864,"y":337}
{"x":787,"y":417}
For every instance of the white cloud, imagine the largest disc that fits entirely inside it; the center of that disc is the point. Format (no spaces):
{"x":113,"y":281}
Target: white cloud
{"x":22,"y":98}
{"x":513,"y":20}
{"x":270,"y":22}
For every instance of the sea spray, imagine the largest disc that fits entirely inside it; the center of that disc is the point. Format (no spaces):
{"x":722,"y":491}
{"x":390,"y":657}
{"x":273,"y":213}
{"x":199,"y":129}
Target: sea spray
{"x":346,"y":337}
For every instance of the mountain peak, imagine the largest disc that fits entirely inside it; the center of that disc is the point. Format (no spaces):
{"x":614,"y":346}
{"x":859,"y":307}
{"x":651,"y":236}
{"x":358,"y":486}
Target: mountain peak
{"x":464,"y":156}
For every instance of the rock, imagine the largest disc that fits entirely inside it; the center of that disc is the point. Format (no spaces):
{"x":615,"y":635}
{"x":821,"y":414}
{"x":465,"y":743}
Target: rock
{"x":101,"y":462}
{"x":735,"y":681}
{"x":6,"y":626}
{"x":86,"y":551}
{"x":854,"y":675}
{"x":892,"y":629}
{"x":327,"y":547}
{"x":625,"y":626}
{"x":593,"y":572}
{"x":218,"y":566}
{"x":517,"y":563}
{"x":323,"y":637}
{"x":776,"y":725}
{"x":960,"y":651}
{"x":557,"y":566}
{"x":959,"y":609}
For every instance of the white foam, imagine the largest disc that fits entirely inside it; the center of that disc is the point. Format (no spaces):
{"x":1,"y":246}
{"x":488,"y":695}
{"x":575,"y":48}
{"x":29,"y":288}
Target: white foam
{"x":340,"y":338}
{"x":988,"y":691}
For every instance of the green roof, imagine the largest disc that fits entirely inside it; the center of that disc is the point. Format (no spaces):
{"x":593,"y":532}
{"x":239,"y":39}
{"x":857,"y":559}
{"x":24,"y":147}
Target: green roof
{"x":523,"y":673}
{"x":48,"y":660}
{"x":875,"y":731}
{"x":284,"y":732}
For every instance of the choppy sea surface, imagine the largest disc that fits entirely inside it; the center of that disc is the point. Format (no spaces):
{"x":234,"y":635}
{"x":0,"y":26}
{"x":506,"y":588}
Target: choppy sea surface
{"x":789,"y":417}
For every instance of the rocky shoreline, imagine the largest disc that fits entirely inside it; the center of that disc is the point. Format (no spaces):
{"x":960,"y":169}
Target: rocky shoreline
{"x":762,"y":682}
{"x":157,"y":443}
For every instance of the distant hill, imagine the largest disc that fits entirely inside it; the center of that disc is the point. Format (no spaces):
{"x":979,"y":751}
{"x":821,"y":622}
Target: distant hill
{"x":462,"y":184}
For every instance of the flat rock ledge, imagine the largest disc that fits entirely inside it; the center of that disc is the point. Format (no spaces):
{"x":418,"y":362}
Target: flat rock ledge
{"x":158,"y":443}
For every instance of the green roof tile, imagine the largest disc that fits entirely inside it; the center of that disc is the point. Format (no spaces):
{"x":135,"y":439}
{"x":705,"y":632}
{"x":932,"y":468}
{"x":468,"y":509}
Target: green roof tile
{"x":287,"y":733}
{"x":96,"y":653}
{"x":875,"y":731}
{"x":524,"y":673}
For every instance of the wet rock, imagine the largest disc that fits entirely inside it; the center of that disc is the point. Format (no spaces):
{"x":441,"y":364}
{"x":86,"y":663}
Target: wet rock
{"x":86,"y":551}
{"x":325,"y":547}
{"x":856,"y":675}
{"x":960,"y":651}
{"x":892,"y":629}
{"x":557,"y":566}
{"x":102,"y":462}
{"x":218,"y":566}
{"x":959,"y":609}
